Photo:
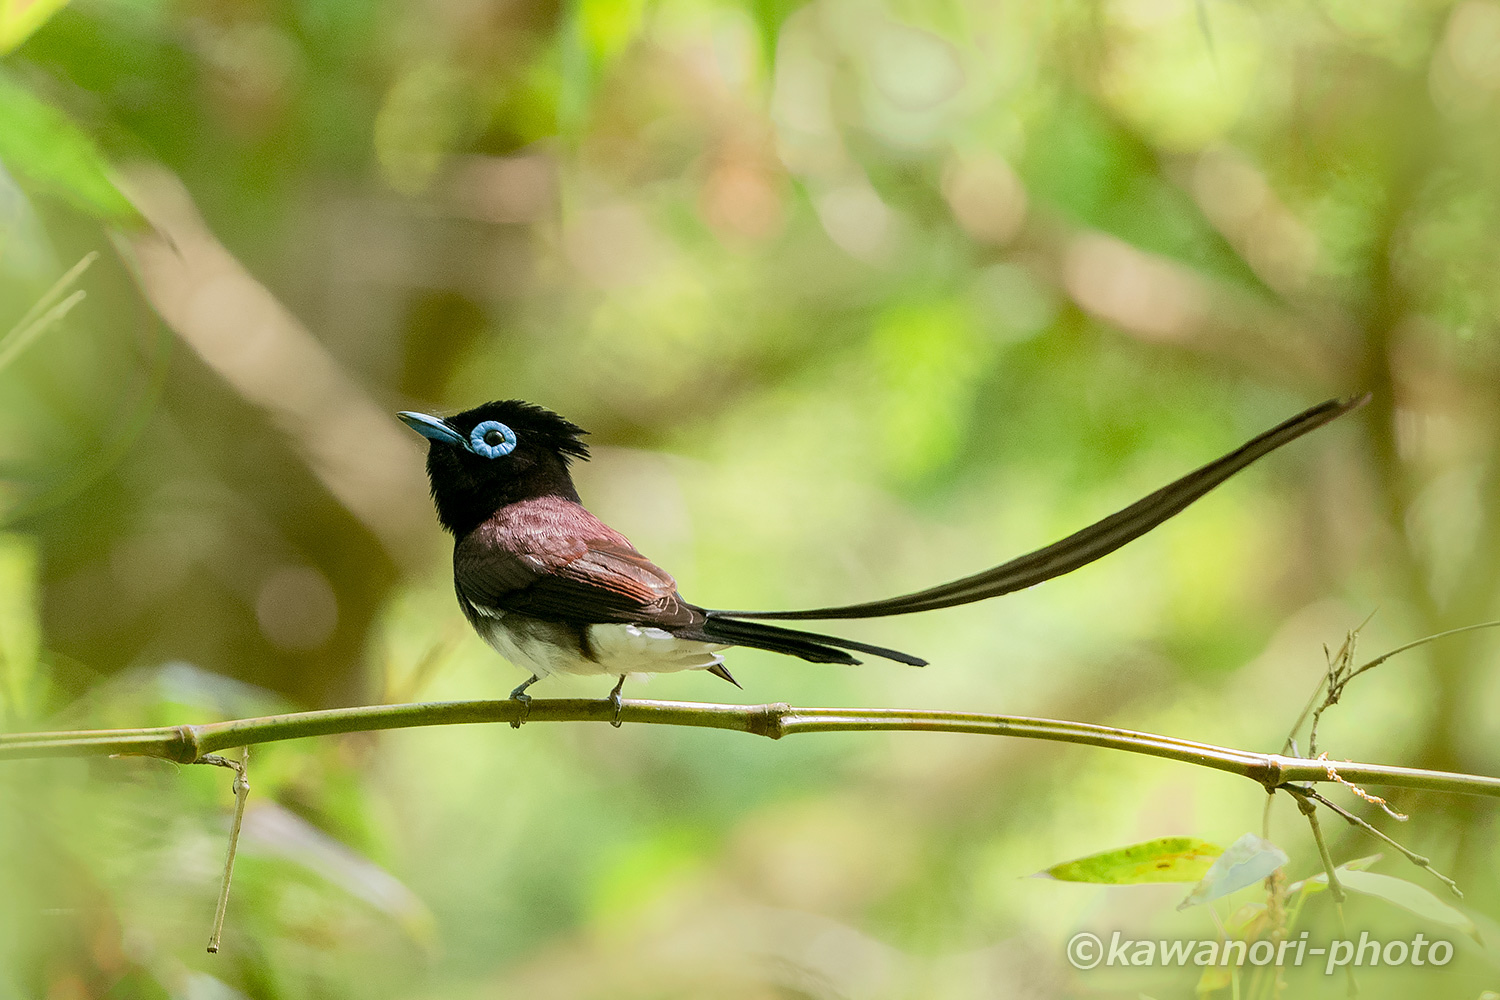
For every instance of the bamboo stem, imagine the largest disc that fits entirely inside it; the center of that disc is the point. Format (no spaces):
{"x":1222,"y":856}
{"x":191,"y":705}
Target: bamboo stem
{"x":187,"y":744}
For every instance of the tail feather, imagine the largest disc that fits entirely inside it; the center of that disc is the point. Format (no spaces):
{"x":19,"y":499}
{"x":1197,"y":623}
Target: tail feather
{"x":808,"y":645}
{"x":1081,"y":548}
{"x":719,"y":670}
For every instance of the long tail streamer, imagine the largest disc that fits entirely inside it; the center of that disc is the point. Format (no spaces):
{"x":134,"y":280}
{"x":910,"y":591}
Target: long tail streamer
{"x":1082,"y":547}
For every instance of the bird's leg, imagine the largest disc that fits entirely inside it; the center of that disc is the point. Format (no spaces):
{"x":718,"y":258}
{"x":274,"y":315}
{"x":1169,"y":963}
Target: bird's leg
{"x":614,"y":697}
{"x":519,"y":694}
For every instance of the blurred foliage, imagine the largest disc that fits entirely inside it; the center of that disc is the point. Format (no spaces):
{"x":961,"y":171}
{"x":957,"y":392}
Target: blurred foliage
{"x":855,"y":297}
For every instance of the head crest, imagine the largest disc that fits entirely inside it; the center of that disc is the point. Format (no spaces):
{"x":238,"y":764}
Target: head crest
{"x":530,"y":422}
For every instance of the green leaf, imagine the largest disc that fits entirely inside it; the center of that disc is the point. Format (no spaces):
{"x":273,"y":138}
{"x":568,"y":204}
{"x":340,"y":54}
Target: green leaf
{"x":1410,"y":897}
{"x":1247,"y":861}
{"x":46,"y":150}
{"x":19,"y":18}
{"x":1167,"y":859}
{"x":1320,"y":882}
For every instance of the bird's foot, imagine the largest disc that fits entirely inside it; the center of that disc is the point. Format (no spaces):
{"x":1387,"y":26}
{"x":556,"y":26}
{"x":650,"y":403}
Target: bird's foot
{"x":519,"y":694}
{"x":525,"y":700}
{"x":617,"y":701}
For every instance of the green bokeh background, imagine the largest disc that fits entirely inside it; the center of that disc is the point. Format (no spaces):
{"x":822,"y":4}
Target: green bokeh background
{"x":855,"y":297}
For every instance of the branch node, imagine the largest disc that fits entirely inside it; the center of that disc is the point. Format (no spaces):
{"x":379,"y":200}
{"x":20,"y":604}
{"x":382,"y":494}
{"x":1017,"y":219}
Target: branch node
{"x":189,"y":748}
{"x":768,"y":721}
{"x":1268,"y":772}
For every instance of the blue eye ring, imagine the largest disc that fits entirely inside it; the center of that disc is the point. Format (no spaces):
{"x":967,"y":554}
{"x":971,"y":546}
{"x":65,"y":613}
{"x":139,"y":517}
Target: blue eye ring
{"x":481,"y":445}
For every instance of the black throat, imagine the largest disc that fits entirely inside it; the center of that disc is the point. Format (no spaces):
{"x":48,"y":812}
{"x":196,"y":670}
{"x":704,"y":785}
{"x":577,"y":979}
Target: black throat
{"x":466,"y":496}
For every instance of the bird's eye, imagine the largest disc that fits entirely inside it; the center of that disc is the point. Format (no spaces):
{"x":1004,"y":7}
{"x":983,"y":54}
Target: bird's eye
{"x":491,"y":439}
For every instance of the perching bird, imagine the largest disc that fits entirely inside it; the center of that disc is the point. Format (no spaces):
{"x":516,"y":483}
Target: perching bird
{"x":557,"y":591}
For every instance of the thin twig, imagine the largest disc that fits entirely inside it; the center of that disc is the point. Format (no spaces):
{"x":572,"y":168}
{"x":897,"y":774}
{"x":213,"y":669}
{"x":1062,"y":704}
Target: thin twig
{"x":1301,"y":792}
{"x":241,"y":788}
{"x":1344,"y":657}
{"x":1291,"y":737}
{"x":1333,"y":686}
{"x":1335,"y":887}
{"x":1418,"y":642}
{"x":187,"y":744}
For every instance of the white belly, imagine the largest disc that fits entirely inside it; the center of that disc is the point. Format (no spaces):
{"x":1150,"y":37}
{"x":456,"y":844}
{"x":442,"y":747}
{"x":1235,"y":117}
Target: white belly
{"x":640,"y":649}
{"x":616,"y":649}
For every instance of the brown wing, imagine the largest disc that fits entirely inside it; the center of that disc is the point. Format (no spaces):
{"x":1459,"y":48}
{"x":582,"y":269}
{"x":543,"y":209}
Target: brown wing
{"x":566,"y":566}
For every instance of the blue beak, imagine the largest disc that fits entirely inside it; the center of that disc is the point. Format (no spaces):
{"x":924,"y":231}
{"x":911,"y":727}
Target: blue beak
{"x":431,"y":427}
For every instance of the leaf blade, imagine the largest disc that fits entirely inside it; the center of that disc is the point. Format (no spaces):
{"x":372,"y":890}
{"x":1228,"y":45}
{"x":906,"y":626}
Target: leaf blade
{"x":19,"y":20}
{"x":1245,"y":862}
{"x":1410,"y":897}
{"x":47,"y":150}
{"x":1166,"y":859}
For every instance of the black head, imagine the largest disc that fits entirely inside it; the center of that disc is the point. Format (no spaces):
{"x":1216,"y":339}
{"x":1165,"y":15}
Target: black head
{"x":493,"y":455}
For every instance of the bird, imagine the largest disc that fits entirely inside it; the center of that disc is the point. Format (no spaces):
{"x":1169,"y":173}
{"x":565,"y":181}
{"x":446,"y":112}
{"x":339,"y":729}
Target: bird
{"x":555,"y":590}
